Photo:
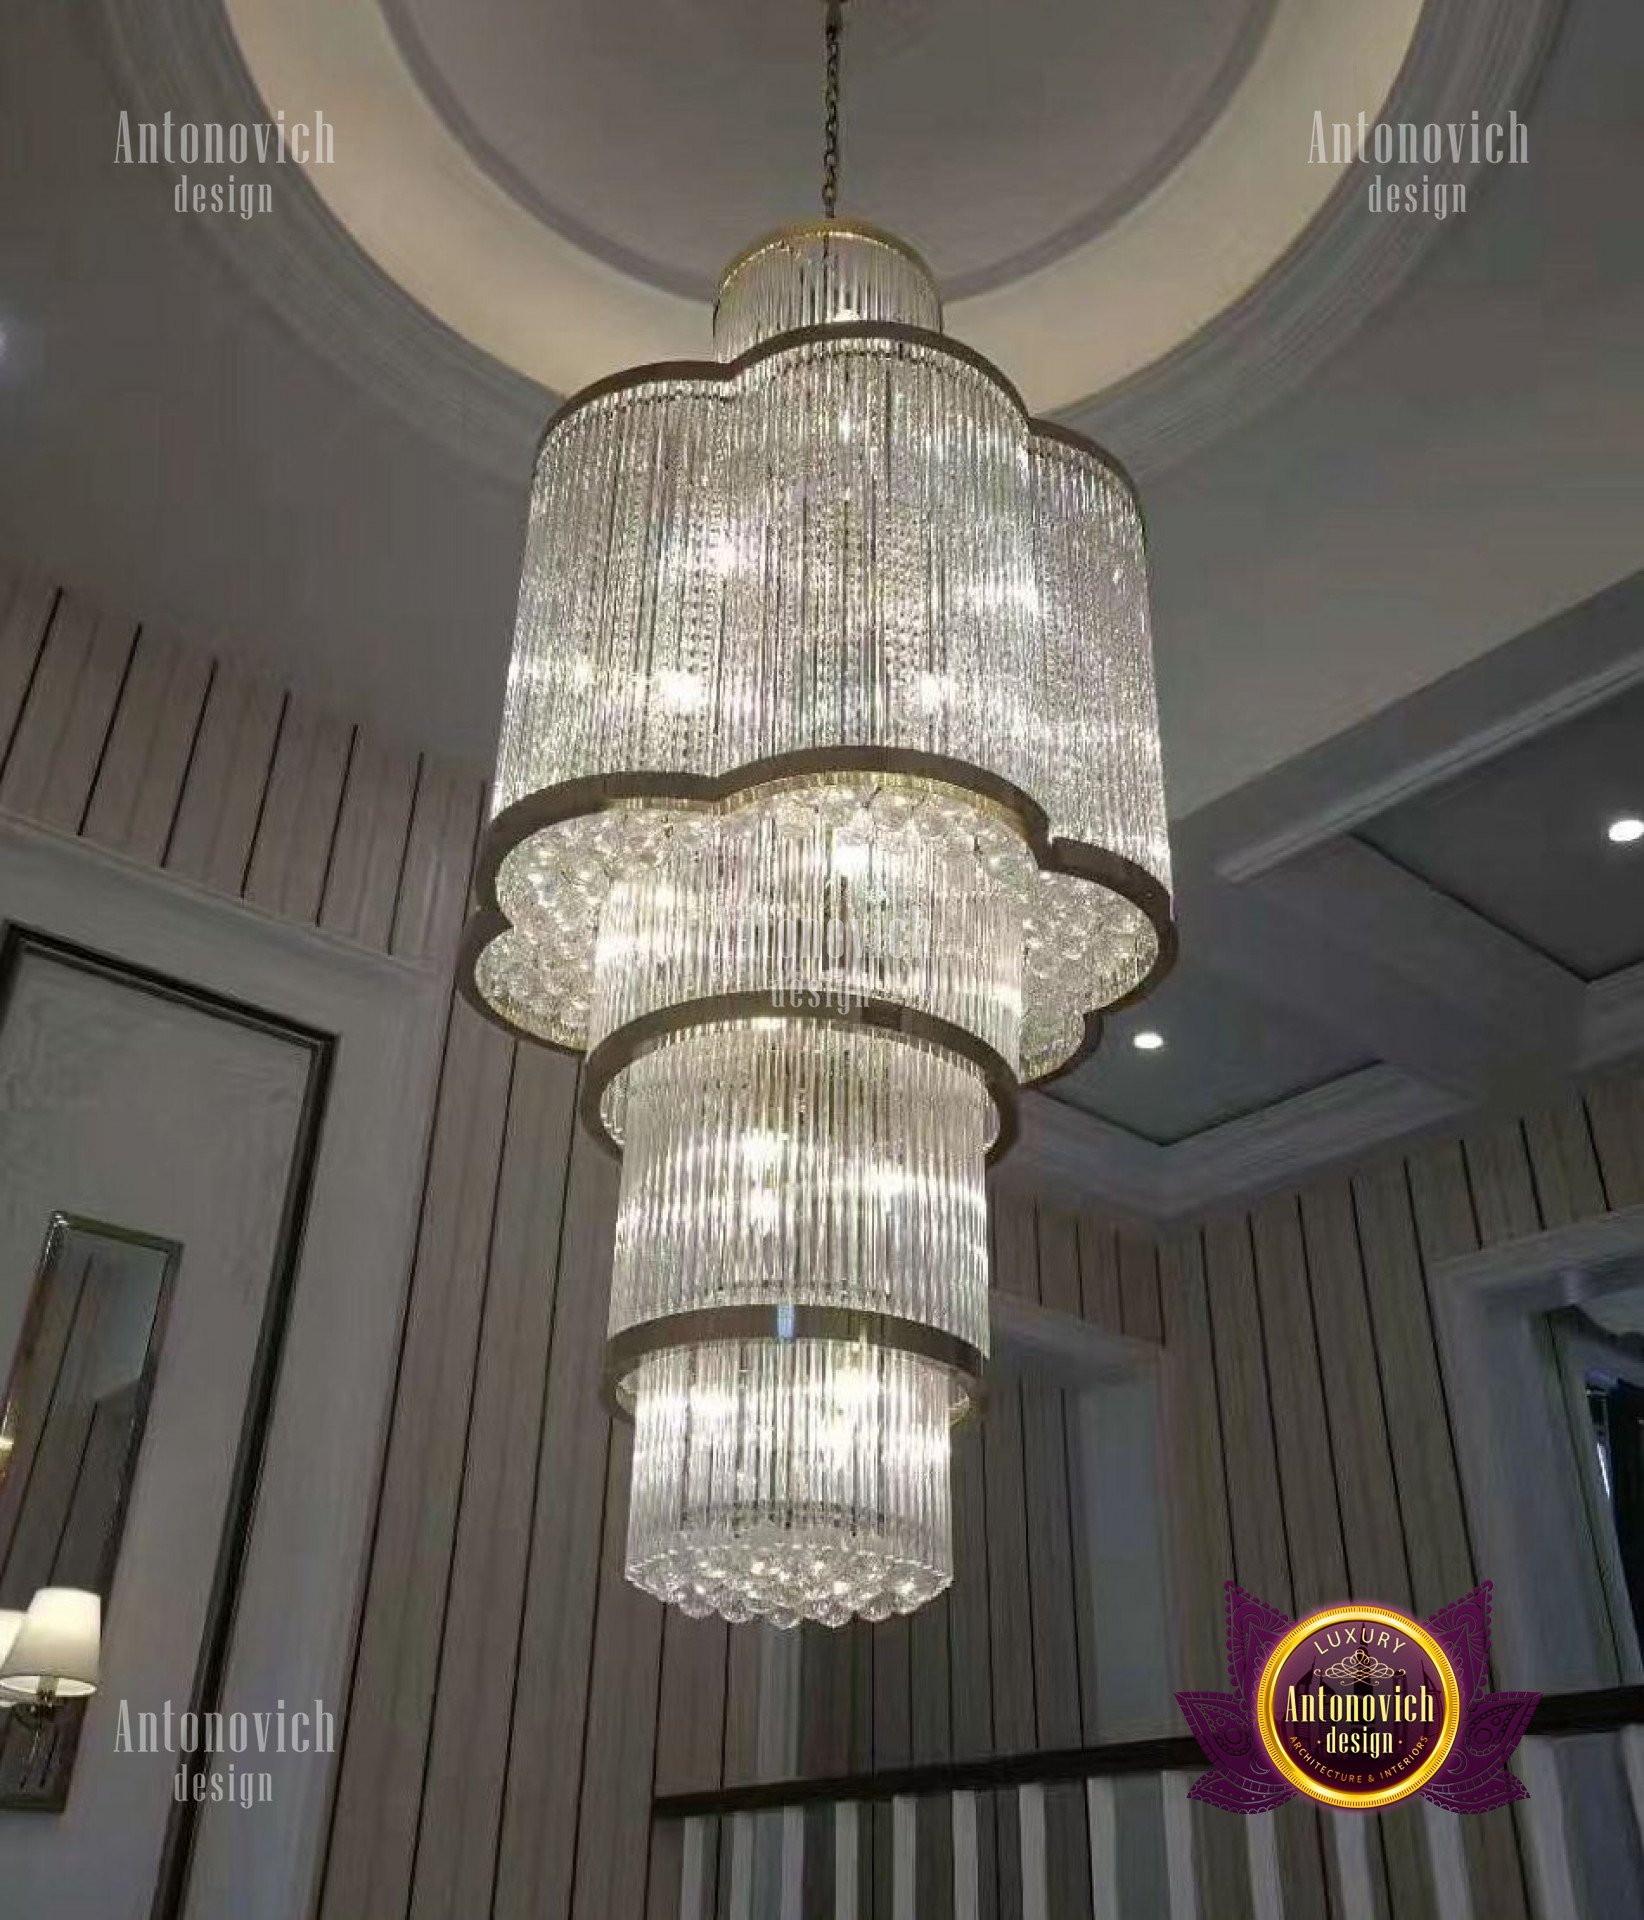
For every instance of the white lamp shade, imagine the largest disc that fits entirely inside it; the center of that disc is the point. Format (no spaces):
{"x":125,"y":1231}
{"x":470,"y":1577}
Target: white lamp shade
{"x":56,"y":1648}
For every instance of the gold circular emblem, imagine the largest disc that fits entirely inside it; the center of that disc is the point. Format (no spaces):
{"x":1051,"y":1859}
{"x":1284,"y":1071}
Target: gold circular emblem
{"x":1367,"y":1638}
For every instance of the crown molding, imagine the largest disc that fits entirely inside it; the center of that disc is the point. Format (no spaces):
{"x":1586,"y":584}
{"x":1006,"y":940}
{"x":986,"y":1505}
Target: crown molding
{"x":1086,"y":1161}
{"x":1567,"y":665}
{"x":1338,"y":1123}
{"x":181,"y":56}
{"x":1487,"y":55}
{"x":1067,"y":1153}
{"x":1433,"y":973}
{"x":1612,"y":1025}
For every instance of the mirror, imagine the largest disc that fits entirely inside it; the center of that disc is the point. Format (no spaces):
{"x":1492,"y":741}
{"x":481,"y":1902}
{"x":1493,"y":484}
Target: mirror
{"x":71,"y":1425}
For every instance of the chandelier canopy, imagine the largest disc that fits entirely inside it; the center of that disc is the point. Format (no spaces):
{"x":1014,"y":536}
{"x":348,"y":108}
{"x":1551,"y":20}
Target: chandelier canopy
{"x":827,"y":812}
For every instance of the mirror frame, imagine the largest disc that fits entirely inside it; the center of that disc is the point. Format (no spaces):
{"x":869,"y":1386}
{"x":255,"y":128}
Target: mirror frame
{"x":53,"y":1772}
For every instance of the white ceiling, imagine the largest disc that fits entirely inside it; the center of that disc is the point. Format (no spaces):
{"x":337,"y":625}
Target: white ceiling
{"x":166,"y":444}
{"x":554,"y":261}
{"x":966,"y":123}
{"x":1466,"y":465}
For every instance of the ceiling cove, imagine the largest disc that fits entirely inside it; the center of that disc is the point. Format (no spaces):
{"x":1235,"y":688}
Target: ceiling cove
{"x":523,"y":198}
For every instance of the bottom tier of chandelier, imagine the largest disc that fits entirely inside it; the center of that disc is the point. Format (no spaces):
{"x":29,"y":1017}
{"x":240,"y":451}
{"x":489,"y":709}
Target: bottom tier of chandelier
{"x":791,"y":1480}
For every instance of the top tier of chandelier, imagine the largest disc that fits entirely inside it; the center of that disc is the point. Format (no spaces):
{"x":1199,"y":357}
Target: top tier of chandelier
{"x":827,"y":812}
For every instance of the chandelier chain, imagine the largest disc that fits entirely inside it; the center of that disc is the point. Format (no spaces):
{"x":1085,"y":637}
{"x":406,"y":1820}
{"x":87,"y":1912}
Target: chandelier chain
{"x":830,"y":114}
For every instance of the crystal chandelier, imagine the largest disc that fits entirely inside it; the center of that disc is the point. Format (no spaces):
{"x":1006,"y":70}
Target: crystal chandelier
{"x":827,"y":813}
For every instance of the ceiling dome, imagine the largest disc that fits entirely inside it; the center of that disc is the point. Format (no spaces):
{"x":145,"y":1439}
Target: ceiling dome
{"x":660,"y":134}
{"x":1093,"y":185}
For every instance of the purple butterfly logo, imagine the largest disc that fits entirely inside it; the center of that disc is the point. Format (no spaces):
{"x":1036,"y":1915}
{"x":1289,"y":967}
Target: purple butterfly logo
{"x":1243,"y":1779}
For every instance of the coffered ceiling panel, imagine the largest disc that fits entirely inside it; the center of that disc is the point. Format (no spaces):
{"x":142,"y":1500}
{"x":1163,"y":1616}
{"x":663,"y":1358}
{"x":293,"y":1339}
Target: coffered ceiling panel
{"x":1225,"y":1053}
{"x":1523,"y":839}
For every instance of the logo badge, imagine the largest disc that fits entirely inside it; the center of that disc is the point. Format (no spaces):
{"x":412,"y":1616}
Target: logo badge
{"x":1358,"y":1706}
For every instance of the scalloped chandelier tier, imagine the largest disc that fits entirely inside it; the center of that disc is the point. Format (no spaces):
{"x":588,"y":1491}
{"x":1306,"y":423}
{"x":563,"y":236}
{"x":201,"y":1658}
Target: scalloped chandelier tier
{"x":827,"y":813}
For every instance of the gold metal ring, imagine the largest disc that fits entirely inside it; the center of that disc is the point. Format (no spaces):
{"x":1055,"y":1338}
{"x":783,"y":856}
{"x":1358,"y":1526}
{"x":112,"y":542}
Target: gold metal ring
{"x":787,"y":1322}
{"x":630,"y":1042}
{"x":598,"y":793}
{"x":843,"y":229}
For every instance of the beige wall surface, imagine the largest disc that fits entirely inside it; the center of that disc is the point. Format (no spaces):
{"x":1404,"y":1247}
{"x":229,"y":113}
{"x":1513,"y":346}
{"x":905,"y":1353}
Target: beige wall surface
{"x":515,"y":1704}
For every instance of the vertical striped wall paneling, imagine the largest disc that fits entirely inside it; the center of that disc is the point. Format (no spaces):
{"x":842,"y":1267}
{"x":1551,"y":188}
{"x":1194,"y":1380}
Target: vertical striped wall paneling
{"x":1306,"y":1453}
{"x":124,"y":736}
{"x":515,"y":1705}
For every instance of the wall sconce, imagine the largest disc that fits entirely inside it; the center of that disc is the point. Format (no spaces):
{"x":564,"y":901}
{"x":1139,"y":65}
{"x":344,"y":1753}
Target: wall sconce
{"x":54,"y":1655}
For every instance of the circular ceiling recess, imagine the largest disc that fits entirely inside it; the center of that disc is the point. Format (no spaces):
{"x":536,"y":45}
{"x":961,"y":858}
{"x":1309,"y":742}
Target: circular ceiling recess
{"x":662,"y":135}
{"x":1093,"y":181}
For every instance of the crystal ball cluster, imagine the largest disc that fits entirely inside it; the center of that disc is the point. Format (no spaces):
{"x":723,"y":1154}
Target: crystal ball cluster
{"x":827,"y":813}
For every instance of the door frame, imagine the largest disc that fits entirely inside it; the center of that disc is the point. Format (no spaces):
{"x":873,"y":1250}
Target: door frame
{"x":1523,"y":1478}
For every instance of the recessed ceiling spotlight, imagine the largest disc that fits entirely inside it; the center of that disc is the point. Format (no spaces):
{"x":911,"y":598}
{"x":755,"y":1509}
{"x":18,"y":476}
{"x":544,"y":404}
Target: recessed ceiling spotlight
{"x":1626,"y":830}
{"x":1147,"y":1041}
